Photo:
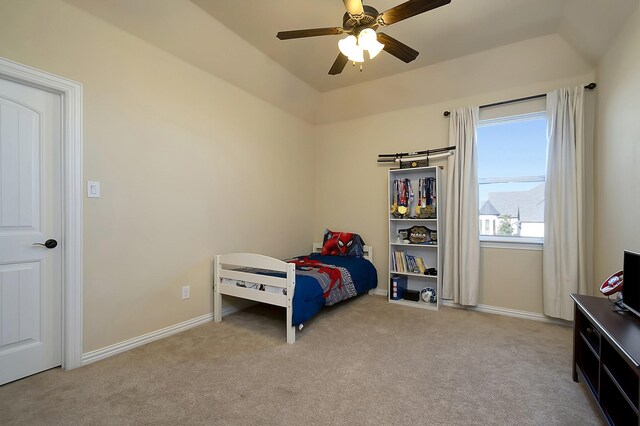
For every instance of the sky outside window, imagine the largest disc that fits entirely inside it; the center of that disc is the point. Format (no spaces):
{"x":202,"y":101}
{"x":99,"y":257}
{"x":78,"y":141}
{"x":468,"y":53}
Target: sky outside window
{"x":509,"y":149}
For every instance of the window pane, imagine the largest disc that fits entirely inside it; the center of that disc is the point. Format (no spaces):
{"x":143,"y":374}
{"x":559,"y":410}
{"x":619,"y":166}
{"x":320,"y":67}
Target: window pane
{"x":517,"y":148}
{"x":514,"y":149}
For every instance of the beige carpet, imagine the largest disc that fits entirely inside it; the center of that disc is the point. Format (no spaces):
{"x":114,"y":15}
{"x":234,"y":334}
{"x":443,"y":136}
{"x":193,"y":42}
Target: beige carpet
{"x":362,"y":362}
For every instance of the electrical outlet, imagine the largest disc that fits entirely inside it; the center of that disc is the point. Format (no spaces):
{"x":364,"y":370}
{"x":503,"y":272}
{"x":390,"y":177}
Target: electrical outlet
{"x":186,"y":292}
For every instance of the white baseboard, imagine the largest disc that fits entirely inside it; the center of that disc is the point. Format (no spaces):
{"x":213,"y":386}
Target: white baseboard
{"x":378,"y":292}
{"x":107,"y":351}
{"x":497,"y":310}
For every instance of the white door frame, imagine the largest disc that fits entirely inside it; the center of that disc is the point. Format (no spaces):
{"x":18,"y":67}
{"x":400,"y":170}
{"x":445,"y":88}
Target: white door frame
{"x":71,"y":95}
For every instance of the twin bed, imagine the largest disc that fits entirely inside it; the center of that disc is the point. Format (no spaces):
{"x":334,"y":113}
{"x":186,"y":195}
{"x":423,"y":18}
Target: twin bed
{"x":302,"y":285}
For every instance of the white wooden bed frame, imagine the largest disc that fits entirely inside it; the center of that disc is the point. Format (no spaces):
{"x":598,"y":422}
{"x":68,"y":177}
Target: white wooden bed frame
{"x":249,"y":260}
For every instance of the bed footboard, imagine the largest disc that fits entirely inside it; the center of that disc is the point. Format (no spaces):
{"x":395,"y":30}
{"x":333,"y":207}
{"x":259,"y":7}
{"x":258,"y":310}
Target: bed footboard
{"x":231,"y":266}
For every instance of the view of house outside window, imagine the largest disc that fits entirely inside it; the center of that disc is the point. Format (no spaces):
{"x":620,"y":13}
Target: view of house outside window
{"x":511,"y":176}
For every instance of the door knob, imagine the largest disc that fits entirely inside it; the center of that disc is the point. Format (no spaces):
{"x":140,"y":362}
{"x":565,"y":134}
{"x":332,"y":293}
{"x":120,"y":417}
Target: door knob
{"x":48,"y":244}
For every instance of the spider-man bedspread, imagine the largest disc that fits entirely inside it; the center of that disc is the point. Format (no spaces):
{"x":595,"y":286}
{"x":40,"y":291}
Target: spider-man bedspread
{"x":326,"y":280}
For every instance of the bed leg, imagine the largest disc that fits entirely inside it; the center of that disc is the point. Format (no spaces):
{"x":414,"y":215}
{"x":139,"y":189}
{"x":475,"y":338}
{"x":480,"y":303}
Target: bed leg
{"x":217,"y":307}
{"x":217,"y":297}
{"x":291,"y":329}
{"x":291,"y":334}
{"x":291,"y":284}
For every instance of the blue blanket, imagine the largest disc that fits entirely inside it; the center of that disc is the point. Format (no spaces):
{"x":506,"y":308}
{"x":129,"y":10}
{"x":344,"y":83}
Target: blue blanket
{"x":315,"y":290}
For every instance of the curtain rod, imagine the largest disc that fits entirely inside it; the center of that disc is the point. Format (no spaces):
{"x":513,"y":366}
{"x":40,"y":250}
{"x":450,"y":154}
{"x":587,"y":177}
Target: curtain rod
{"x":589,"y":86}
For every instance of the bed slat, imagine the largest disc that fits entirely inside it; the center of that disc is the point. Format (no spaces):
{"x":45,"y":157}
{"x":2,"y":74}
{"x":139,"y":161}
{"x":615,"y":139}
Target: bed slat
{"x":253,"y":294}
{"x":254,"y":278}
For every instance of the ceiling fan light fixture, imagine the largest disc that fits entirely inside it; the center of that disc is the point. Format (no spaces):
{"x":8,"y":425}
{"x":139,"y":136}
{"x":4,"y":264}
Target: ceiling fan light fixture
{"x":353,"y":47}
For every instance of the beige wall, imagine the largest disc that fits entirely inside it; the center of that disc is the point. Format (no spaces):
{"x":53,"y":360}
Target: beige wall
{"x":351,"y":187}
{"x":511,"y":279}
{"x":189,"y":166}
{"x":617,"y":154}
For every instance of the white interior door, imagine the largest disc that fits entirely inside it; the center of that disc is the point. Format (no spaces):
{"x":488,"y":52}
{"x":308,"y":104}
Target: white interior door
{"x":30,"y":212}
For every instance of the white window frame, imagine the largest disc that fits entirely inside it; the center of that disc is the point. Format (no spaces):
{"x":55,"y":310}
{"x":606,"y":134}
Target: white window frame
{"x":495,"y":241}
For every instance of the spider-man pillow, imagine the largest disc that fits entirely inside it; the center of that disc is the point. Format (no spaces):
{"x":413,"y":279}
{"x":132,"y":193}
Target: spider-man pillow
{"x":342,"y":244}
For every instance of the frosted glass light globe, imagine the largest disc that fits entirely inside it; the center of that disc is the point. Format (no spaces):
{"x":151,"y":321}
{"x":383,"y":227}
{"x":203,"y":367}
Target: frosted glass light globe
{"x":368,"y":40}
{"x":357,"y":54}
{"x":347,"y":45}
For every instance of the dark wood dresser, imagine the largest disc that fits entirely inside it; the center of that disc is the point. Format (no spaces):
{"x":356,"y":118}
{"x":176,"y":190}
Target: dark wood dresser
{"x":606,"y":356}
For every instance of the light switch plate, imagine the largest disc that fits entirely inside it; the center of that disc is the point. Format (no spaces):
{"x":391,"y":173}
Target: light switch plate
{"x":93,"y":189}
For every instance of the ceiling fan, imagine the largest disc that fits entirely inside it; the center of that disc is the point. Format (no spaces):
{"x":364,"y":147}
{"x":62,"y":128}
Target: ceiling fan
{"x":360,"y":22}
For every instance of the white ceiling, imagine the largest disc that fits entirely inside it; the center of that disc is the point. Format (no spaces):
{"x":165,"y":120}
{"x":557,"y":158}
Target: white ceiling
{"x":233,"y":39}
{"x":457,"y":29}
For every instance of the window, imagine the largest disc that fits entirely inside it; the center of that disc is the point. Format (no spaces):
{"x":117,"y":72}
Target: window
{"x":512,"y":151}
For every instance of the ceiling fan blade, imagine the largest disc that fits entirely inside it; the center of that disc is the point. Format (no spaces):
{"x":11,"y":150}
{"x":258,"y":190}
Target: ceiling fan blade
{"x":397,"y":49}
{"x":339,"y":64}
{"x":313,"y":32}
{"x":409,"y":9}
{"x":354,"y":7}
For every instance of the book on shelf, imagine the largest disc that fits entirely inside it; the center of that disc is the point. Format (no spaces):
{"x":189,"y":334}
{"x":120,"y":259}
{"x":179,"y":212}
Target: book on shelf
{"x":412,"y":264}
{"x":409,"y":261}
{"x":398,"y":261}
{"x":403,"y":262}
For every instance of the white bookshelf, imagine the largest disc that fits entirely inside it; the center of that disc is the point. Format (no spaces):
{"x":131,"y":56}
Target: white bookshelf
{"x":430,"y":253}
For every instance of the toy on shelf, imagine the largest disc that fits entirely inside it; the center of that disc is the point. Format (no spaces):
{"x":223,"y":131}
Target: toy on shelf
{"x":402,"y":198}
{"x":427,"y":196}
{"x":418,"y":235}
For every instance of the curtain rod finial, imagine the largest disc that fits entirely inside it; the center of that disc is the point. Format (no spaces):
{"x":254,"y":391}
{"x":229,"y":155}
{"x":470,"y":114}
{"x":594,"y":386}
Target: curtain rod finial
{"x":590,"y":86}
{"x":447,"y":113}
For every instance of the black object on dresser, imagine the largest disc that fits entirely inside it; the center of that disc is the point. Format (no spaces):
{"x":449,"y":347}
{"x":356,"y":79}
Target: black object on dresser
{"x":606,"y":356}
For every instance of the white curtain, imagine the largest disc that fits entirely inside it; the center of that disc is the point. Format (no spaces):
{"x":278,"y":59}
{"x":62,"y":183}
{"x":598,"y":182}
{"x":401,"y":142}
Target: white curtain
{"x":564,"y":268}
{"x":461,"y":275}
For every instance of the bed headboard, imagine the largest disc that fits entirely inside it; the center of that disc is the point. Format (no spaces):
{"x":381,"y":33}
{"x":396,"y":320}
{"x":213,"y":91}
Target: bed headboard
{"x":368,"y":251}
